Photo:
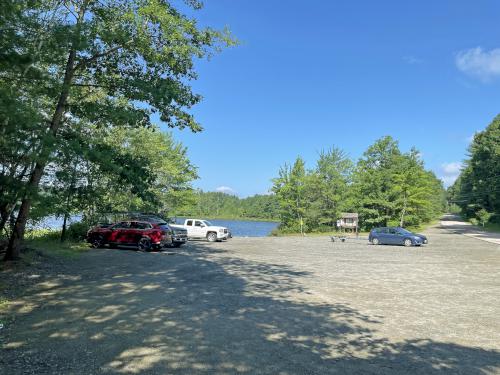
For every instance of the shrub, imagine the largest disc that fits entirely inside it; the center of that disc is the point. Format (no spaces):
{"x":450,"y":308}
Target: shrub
{"x":483,"y":216}
{"x":77,"y":231}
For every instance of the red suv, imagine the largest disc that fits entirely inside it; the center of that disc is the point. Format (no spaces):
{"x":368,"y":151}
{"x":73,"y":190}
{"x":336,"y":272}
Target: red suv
{"x":143,"y":235}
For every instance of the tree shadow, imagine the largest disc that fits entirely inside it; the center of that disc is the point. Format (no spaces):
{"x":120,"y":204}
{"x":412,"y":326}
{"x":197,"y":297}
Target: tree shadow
{"x":193,"y":313}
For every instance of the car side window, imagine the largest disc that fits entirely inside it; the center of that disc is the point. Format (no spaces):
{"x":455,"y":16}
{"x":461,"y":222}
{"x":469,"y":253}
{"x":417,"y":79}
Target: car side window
{"x":139,"y":225}
{"x":197,"y":223}
{"x":393,"y":231}
{"x":122,"y":225}
{"x":189,"y":222}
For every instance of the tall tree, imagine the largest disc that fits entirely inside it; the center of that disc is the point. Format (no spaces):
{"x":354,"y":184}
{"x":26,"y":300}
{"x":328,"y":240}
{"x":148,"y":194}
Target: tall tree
{"x":327,"y":188}
{"x":478,"y":186}
{"x":102,"y":62}
{"x":289,"y":188}
{"x":373,"y":182}
{"x":418,"y":194}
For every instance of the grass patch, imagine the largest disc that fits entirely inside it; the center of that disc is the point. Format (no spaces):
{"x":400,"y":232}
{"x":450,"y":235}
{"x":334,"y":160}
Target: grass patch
{"x":47,"y":241}
{"x":277,"y":233}
{"x":422,"y":227}
{"x":491,"y":227}
{"x":4,"y":304}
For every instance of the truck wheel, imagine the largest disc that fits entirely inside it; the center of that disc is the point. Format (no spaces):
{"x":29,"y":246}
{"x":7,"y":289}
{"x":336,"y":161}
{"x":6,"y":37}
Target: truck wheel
{"x":212,"y":237}
{"x":375,"y":241}
{"x":144,"y":244}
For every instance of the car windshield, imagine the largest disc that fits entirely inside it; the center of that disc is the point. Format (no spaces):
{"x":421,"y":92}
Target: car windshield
{"x":207,"y":223}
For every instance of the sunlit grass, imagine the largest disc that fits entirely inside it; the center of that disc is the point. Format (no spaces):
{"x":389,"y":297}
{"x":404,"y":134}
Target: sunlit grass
{"x":4,"y":304}
{"x":422,"y":227}
{"x":491,"y":227}
{"x":48,"y":242}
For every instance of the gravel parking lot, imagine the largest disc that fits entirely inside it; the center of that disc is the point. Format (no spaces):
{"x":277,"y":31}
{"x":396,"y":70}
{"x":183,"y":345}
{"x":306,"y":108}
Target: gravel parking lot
{"x":265,"y":306}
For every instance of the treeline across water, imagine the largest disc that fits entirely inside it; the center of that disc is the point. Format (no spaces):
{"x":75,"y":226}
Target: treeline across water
{"x":385,"y":186}
{"x":227,"y":206}
{"x":476,"y":192}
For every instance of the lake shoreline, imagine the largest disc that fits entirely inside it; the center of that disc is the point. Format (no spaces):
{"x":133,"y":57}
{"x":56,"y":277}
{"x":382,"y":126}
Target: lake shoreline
{"x":249,"y":219}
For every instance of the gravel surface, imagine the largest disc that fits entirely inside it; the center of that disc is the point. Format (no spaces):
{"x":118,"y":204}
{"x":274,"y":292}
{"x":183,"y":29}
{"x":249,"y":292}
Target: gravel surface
{"x":263,"y":306}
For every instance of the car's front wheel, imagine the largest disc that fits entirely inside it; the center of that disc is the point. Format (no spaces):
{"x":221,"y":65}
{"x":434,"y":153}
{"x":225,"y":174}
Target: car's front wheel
{"x":97,"y":241}
{"x":375,"y":241}
{"x":212,"y":237}
{"x":407,"y":242}
{"x":144,"y":244}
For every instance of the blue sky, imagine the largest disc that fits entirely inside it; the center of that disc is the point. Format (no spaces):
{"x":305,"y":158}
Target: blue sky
{"x":312,"y":74}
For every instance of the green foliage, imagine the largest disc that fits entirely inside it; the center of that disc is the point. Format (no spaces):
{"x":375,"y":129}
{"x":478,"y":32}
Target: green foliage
{"x":221,"y":205}
{"x":77,"y":231}
{"x":327,"y":189}
{"x":48,"y":242}
{"x":478,"y":186}
{"x":386,"y":187}
{"x":76,"y":79}
{"x":290,"y":190}
{"x":483,"y":216}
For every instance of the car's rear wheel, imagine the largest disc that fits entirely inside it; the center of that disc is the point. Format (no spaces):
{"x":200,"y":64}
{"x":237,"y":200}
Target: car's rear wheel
{"x":375,"y":241}
{"x":212,"y":237}
{"x":407,"y":242}
{"x":144,"y":244}
{"x":97,"y":241}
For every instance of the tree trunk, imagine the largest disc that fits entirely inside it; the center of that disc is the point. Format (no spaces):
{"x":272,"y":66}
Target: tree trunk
{"x":13,"y":250}
{"x":68,"y":201}
{"x":403,"y":212}
{"x":5,"y":211}
{"x":63,"y":231}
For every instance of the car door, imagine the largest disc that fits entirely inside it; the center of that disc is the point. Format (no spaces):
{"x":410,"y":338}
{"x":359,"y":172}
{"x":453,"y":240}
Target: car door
{"x":136,"y":231}
{"x":199,"y":228}
{"x":394,"y":237}
{"x":382,"y":235}
{"x":190,"y":228}
{"x":118,"y":232}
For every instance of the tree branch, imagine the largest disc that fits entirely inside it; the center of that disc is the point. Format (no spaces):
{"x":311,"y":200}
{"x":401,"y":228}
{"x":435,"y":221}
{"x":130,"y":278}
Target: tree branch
{"x":85,"y":62}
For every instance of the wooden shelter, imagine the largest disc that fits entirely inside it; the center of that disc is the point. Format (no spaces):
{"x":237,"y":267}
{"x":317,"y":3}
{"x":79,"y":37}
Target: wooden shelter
{"x":348,"y":220}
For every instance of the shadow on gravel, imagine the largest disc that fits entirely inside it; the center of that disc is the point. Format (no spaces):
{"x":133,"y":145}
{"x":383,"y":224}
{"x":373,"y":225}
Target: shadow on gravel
{"x":193,"y":313}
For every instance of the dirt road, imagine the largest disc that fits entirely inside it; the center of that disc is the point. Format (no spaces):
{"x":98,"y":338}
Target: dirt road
{"x":264,"y":306}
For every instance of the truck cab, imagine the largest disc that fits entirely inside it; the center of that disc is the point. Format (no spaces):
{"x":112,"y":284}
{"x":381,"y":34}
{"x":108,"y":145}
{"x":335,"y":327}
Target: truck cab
{"x":199,"y":228}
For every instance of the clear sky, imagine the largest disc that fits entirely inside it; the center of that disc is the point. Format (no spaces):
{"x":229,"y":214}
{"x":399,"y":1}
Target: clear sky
{"x":312,"y":74}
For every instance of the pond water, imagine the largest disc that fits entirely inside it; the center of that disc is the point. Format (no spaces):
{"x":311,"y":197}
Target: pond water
{"x":239,"y":228}
{"x":242,"y":228}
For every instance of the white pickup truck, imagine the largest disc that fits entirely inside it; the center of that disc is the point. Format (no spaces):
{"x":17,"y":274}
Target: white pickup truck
{"x":197,"y":228}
